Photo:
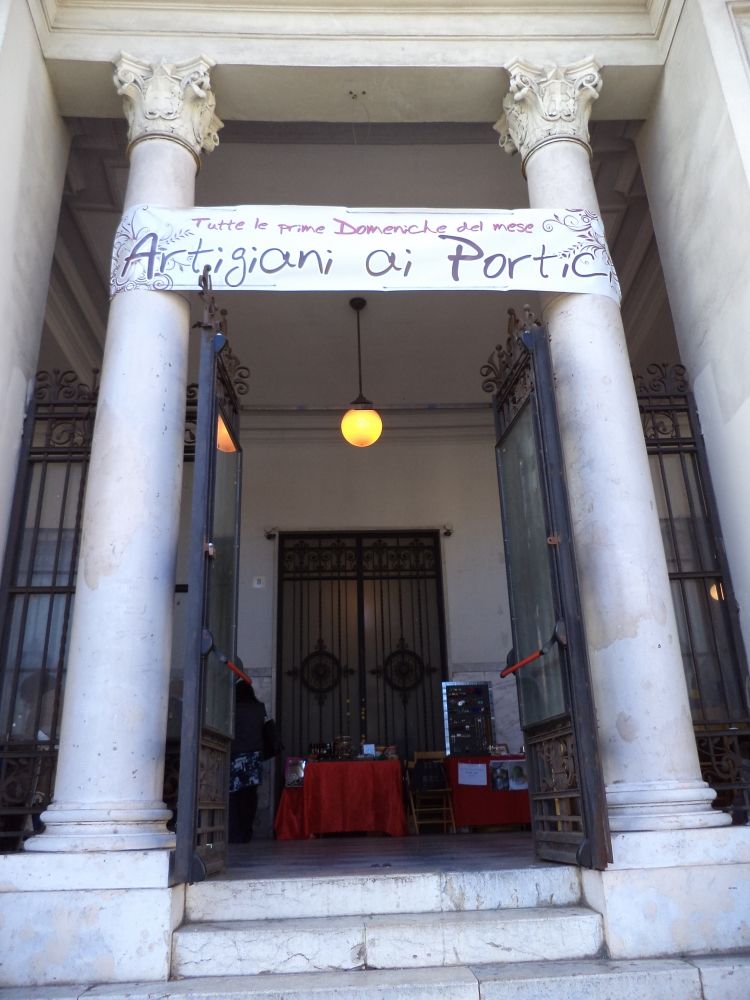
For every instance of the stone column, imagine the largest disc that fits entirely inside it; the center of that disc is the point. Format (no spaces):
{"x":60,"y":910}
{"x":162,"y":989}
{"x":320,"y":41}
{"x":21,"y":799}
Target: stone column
{"x":648,"y":751}
{"x":108,"y":791}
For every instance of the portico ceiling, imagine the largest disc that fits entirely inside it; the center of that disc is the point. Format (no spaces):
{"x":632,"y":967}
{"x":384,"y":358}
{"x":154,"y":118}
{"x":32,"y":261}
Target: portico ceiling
{"x":346,"y":103}
{"x":419,"y":349}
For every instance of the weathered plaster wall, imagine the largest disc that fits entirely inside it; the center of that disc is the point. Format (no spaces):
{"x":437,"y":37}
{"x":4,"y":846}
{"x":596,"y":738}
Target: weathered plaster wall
{"x":695,"y":156}
{"x":31,"y":176}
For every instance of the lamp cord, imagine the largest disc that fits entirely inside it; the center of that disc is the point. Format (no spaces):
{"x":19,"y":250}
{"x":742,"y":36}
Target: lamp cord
{"x":359,"y":356}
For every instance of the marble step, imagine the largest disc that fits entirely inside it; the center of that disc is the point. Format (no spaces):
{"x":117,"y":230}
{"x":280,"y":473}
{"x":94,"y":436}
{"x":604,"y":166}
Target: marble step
{"x":660,"y":979}
{"x":694,"y":978}
{"x":244,"y":898}
{"x":392,"y":941}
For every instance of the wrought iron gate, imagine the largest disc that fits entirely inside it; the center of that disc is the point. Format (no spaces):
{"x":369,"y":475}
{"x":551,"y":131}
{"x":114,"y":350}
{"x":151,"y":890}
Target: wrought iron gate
{"x":568,"y":807}
{"x":37,"y":594}
{"x":713,"y":652}
{"x":361,"y":640}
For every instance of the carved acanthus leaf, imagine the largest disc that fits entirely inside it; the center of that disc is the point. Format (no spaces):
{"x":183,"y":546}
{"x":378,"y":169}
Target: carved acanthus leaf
{"x":169,"y":100}
{"x":547,"y":103}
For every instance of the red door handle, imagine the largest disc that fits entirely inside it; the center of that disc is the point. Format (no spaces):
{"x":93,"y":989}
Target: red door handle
{"x":559,"y":636}
{"x":522,"y":663}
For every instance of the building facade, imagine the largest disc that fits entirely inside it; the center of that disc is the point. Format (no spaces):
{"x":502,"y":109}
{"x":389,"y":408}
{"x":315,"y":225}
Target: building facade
{"x":114,"y":106}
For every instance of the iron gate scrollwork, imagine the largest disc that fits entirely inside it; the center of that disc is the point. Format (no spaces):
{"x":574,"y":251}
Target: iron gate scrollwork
{"x":320,"y":671}
{"x":361,"y":645}
{"x":713,"y":651}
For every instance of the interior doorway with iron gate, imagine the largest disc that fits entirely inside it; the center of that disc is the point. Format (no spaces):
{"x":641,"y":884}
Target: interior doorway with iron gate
{"x":361,"y":648}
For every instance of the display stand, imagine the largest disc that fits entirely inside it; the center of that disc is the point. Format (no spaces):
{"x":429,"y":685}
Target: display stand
{"x":489,"y":791}
{"x":467,"y":717}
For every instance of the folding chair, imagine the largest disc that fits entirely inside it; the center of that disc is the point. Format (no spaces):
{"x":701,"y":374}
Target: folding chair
{"x":430,"y":799}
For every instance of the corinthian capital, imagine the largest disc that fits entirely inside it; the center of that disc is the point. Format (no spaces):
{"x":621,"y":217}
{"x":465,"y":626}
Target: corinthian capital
{"x":546,"y":104}
{"x":169,"y":101}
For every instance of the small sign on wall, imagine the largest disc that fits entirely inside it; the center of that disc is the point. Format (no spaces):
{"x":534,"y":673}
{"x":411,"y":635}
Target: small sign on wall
{"x":472,"y":774}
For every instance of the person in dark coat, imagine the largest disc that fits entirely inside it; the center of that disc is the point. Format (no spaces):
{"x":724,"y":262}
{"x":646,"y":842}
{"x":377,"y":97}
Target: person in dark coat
{"x":246,"y":766}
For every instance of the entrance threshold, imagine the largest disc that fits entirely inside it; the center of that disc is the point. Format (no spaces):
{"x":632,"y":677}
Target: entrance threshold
{"x":368,"y":855}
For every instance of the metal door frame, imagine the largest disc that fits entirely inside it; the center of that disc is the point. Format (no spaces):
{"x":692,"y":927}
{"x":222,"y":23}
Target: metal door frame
{"x":564,"y":760}
{"x":192,"y":864}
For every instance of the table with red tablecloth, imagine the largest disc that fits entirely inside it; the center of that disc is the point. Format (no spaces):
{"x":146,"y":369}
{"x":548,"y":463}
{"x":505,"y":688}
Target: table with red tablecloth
{"x":482,"y":805}
{"x":341,"y":796}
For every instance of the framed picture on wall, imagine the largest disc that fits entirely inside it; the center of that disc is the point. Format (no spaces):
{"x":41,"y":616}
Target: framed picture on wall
{"x":508,"y":776}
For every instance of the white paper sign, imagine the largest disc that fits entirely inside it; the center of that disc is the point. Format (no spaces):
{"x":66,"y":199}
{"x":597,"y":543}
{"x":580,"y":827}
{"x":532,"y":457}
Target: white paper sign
{"x":472,"y":774}
{"x":312,"y":248}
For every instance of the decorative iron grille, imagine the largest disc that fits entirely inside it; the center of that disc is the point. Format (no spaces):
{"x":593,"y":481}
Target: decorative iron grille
{"x":713,"y":652}
{"x":556,"y":794}
{"x":361,"y":647}
{"x":38,"y":589}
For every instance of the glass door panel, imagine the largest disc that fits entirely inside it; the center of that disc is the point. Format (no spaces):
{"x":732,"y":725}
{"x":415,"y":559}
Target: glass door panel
{"x":541,"y":687}
{"x":222,"y":592}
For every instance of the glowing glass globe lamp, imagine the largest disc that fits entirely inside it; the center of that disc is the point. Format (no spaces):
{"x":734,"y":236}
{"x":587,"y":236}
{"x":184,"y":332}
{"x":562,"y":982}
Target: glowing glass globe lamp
{"x":361,"y":424}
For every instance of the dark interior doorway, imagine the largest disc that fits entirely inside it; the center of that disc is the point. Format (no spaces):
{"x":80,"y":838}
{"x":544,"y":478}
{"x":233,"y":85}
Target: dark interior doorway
{"x":361,"y":640}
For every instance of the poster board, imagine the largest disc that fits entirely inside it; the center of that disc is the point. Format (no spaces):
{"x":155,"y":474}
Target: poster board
{"x":467,"y":717}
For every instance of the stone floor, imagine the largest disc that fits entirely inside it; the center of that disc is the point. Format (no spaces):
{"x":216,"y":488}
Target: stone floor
{"x":367,"y":855}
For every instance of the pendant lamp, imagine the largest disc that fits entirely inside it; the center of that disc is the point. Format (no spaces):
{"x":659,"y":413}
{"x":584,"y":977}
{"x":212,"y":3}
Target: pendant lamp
{"x":361,"y":424}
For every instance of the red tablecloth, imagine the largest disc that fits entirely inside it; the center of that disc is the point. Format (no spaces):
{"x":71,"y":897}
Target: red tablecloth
{"x":344,"y":797}
{"x":481,"y":805}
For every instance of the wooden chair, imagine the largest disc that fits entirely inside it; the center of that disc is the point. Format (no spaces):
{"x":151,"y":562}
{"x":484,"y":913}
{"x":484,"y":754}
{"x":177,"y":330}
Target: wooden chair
{"x":430,"y":799}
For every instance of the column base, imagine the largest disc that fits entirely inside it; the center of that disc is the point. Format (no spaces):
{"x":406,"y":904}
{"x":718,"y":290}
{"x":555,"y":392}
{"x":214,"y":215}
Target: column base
{"x":663,"y":805}
{"x":674,"y":893}
{"x":106,"y":828}
{"x":87,"y":919}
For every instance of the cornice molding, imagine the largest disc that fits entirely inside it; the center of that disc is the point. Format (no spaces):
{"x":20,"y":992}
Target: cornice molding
{"x":60,"y":9}
{"x":542,"y":21}
{"x":417,"y":60}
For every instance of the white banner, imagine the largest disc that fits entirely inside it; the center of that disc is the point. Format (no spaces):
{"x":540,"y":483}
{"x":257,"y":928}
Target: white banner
{"x":310,"y":248}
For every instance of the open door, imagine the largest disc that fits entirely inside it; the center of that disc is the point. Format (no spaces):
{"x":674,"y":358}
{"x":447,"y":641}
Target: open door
{"x":568,"y":806}
{"x":211,"y":613}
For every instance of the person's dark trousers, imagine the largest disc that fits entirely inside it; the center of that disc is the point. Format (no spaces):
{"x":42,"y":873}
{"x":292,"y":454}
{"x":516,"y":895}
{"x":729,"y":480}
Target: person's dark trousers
{"x":242,"y":808}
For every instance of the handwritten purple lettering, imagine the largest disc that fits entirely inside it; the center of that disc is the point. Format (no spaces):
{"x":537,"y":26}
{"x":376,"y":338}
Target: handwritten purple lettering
{"x":396,"y":229}
{"x":222,"y":224}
